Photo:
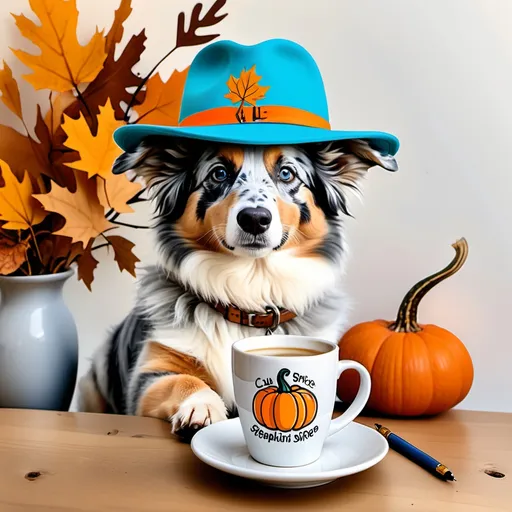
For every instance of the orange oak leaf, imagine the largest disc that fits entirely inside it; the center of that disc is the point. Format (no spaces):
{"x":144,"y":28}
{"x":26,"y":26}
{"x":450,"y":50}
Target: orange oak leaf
{"x":84,"y":215}
{"x":17,"y":206}
{"x":87,"y":263}
{"x":12,"y":255}
{"x":63,"y":63}
{"x":163,"y":99}
{"x":123,"y":254}
{"x":10,"y":92}
{"x":97,"y":153}
{"x":245,"y":89}
{"x":116,"y":191}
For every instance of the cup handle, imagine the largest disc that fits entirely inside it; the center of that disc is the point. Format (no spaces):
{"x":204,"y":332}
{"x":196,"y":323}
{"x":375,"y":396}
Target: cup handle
{"x":359,"y":401}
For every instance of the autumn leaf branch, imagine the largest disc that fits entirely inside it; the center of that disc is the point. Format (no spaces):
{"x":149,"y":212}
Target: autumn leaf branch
{"x":59,"y":200}
{"x":184,"y":38}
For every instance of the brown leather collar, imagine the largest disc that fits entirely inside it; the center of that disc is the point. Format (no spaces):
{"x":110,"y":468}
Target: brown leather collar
{"x":270,"y":320}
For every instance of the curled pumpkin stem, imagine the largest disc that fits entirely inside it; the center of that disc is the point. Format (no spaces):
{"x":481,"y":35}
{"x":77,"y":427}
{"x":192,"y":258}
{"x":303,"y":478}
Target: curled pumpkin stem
{"x":407,"y":318}
{"x":282,"y":385}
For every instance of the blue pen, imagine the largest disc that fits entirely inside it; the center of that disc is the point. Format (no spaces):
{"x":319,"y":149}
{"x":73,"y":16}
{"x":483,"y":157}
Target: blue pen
{"x":415,"y":455}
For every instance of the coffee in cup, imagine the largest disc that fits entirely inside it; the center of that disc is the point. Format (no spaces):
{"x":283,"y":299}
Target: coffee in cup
{"x":285,"y":389}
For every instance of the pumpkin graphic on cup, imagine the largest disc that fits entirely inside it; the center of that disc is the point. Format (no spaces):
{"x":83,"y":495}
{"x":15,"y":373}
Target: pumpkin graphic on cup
{"x":284,"y":407}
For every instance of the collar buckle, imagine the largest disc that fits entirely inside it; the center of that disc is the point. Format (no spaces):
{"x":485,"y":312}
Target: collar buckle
{"x":250,"y":319}
{"x":276,"y":319}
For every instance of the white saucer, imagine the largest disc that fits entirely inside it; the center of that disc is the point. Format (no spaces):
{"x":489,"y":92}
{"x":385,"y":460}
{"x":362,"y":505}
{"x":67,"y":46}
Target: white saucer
{"x":353,"y":449}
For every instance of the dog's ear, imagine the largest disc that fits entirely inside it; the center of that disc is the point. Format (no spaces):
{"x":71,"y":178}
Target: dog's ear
{"x":342,"y":164}
{"x":129,"y":160}
{"x":166,"y":167}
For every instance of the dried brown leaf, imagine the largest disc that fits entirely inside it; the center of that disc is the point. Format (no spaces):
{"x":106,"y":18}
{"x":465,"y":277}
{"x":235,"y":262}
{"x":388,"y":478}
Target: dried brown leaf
{"x":12,"y":255}
{"x":115,"y":34}
{"x":112,"y":82}
{"x":190,"y":37}
{"x":86,"y":266}
{"x":123,"y":254}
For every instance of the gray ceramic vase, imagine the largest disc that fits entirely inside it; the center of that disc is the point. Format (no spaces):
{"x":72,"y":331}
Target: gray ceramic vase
{"x":38,"y":343}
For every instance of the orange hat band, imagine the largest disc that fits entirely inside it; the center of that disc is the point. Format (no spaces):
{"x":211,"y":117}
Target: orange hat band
{"x":263,"y":114}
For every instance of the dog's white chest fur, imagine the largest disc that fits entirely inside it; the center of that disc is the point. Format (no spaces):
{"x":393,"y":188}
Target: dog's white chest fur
{"x":296,"y":283}
{"x":210,"y":341}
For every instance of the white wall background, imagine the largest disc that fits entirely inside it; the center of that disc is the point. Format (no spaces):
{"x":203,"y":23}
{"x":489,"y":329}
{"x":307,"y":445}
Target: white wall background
{"x":437,"y":74}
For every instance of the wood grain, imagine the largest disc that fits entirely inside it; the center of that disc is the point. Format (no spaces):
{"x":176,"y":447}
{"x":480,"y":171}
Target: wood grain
{"x":94,"y":462}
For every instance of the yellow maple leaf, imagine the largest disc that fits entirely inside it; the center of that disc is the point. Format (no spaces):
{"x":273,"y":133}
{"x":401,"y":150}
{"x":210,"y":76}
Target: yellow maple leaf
{"x":245,"y":89}
{"x":163,"y":99}
{"x":10,"y":92}
{"x":84,"y":215}
{"x":63,"y":63}
{"x":97,"y":153}
{"x":116,"y":191}
{"x":17,"y":206}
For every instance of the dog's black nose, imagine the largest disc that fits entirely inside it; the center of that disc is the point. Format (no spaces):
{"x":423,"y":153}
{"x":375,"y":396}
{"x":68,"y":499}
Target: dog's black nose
{"x":254,"y":220}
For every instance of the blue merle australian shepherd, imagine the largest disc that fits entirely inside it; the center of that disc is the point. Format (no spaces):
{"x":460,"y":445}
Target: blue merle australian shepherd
{"x":249,"y":239}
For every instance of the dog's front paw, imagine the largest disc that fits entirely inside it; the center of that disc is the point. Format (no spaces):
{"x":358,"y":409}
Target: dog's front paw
{"x":197,"y":411}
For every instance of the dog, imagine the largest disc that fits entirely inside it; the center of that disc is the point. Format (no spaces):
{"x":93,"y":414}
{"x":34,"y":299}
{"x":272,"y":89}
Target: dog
{"x":244,"y":234}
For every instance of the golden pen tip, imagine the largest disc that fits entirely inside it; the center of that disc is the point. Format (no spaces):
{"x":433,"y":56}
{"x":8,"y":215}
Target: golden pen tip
{"x":377,"y":425}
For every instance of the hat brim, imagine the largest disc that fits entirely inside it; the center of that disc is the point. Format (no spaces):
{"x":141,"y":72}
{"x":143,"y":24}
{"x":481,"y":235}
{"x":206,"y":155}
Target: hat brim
{"x":128,"y":137}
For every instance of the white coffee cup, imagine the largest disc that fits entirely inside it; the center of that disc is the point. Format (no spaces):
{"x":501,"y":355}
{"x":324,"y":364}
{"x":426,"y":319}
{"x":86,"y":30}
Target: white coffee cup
{"x":285,"y":402}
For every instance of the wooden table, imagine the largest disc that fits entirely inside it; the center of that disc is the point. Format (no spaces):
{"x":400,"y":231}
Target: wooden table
{"x":69,"y":462}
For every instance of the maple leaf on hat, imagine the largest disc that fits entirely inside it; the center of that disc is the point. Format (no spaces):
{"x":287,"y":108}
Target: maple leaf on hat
{"x":17,"y":206}
{"x":10,"y":92}
{"x":163,"y":99}
{"x":84,"y":215}
{"x":245,"y":89}
{"x":87,"y":264}
{"x":63,"y":63}
{"x":123,"y":254}
{"x":12,"y":255}
{"x":97,"y":153}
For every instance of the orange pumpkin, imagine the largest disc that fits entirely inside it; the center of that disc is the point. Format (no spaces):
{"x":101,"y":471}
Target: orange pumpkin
{"x":416,"y":369}
{"x":283,"y":407}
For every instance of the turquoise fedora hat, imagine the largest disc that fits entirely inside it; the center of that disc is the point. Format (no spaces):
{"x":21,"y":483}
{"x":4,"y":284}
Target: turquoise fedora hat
{"x":269,"y":93}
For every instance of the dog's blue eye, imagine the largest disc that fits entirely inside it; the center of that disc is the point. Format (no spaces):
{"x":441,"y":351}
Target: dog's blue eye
{"x":219,"y":174}
{"x":286,"y":175}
